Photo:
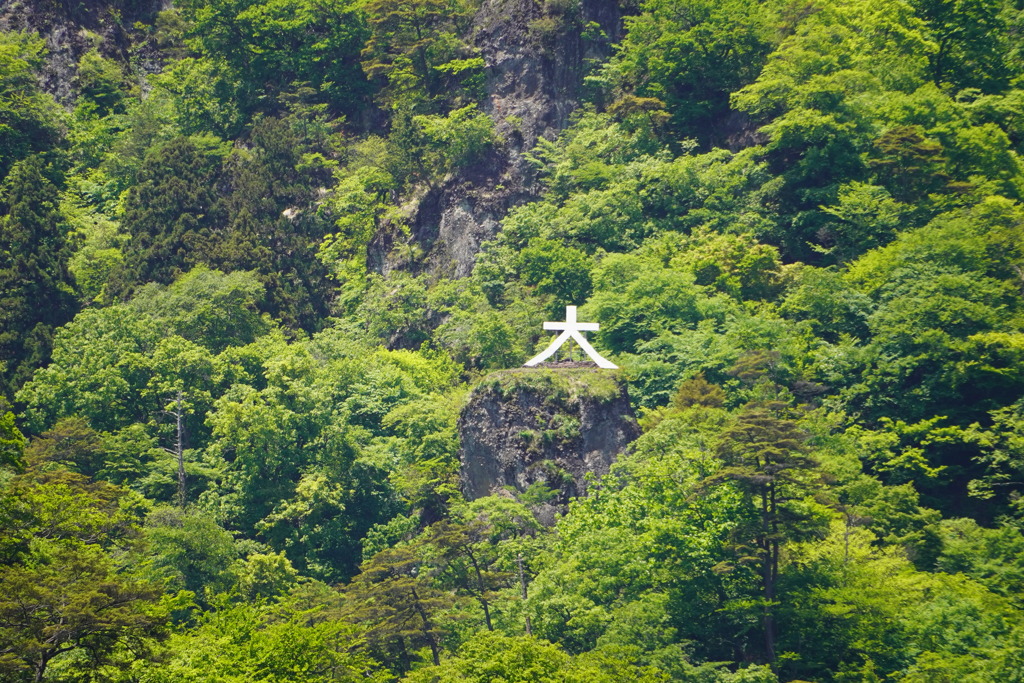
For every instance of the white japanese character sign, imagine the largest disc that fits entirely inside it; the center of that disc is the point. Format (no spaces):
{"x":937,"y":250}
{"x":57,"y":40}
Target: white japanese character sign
{"x":571,"y":328}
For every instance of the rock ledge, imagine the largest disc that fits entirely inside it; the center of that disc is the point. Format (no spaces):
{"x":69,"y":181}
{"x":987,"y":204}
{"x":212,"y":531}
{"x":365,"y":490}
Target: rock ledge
{"x":549,"y":425}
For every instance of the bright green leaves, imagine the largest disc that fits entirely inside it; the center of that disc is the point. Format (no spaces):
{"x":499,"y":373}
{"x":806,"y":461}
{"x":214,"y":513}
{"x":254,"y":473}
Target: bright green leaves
{"x":358,"y":201}
{"x":524,"y":659}
{"x":845,"y":99}
{"x":612,"y":189}
{"x":840,"y":50}
{"x":202,"y":91}
{"x":559,"y":271}
{"x":690,"y":54}
{"x":259,"y":440}
{"x":454,"y":140}
{"x":101,"y":84}
{"x":417,"y":49}
{"x":12,"y":441}
{"x":305,"y":459}
{"x":257,"y":642}
{"x":1001,"y":457}
{"x":272,"y":48}
{"x":875,"y":613}
{"x":207,"y":307}
{"x":112,"y":366}
{"x":191,"y":552}
{"x":863,"y":217}
{"x":427,"y":147}
{"x":943,"y":300}
{"x":634,"y":301}
{"x":643,"y":533}
{"x":30,"y":120}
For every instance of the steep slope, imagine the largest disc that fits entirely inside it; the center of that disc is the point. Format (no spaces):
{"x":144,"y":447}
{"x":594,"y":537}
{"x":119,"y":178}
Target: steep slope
{"x":536,"y":57}
{"x":71,"y":29}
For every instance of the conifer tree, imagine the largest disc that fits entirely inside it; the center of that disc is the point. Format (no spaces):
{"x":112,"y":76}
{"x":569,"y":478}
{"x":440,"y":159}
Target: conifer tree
{"x":469,"y":561}
{"x":170,"y":215}
{"x":35,"y":285}
{"x":399,"y":604}
{"x":765,"y":456}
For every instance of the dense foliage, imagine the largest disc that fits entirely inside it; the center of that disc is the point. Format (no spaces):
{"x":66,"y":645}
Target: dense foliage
{"x":228,"y":436}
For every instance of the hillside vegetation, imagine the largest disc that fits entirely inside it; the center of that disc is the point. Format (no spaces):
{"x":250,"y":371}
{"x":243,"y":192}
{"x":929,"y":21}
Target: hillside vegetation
{"x":233,"y":351}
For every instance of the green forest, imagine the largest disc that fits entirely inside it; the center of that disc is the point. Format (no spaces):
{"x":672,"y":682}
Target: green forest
{"x":239,"y":321}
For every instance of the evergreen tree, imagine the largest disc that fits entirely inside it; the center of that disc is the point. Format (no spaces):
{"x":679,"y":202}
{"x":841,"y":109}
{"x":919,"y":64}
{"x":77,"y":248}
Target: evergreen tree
{"x":764,"y":455}
{"x":35,"y":285}
{"x":170,"y":214}
{"x":64,"y":591}
{"x":399,"y":604}
{"x":29,"y":118}
{"x":273,"y":223}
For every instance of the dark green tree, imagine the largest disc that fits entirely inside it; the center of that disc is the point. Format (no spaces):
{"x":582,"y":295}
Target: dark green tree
{"x":35,"y":285}
{"x":273,"y":224}
{"x":72,"y":443}
{"x":764,"y":455}
{"x":909,"y":164}
{"x":690,"y":55}
{"x":412,"y":45}
{"x":170,"y":214}
{"x":101,"y":84}
{"x":398,"y":603}
{"x":468,"y":560}
{"x":971,"y":38}
{"x":30,"y":120}
{"x":63,"y":590}
{"x":190,"y":551}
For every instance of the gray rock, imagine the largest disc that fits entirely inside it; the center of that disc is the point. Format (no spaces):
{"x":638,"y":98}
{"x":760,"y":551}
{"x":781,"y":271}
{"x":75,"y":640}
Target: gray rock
{"x":536,"y":58}
{"x":72,"y":28}
{"x":551,"y":425}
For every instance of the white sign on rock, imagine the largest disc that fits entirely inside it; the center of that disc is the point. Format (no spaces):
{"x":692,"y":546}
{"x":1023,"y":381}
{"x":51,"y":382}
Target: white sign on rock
{"x":571,"y":329}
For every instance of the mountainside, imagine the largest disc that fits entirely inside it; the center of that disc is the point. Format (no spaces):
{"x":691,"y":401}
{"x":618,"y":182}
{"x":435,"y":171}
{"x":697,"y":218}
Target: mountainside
{"x":270,"y":269}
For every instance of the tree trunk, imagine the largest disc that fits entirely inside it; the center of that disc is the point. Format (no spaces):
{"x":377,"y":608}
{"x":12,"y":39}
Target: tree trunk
{"x":769,"y":553}
{"x":522,"y":586}
{"x":40,"y":668}
{"x":481,"y":586}
{"x":179,"y":451}
{"x":428,"y":632}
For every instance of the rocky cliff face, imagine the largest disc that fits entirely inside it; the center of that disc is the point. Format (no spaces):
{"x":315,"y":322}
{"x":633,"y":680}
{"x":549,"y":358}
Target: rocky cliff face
{"x":546,"y":425}
{"x":72,"y":28}
{"x":536,"y":56}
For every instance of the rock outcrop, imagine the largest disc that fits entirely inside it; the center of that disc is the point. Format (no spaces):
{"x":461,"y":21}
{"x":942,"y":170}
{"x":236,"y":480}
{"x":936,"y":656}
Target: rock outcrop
{"x":536,"y":56}
{"x":70,"y":29}
{"x":548,"y":425}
